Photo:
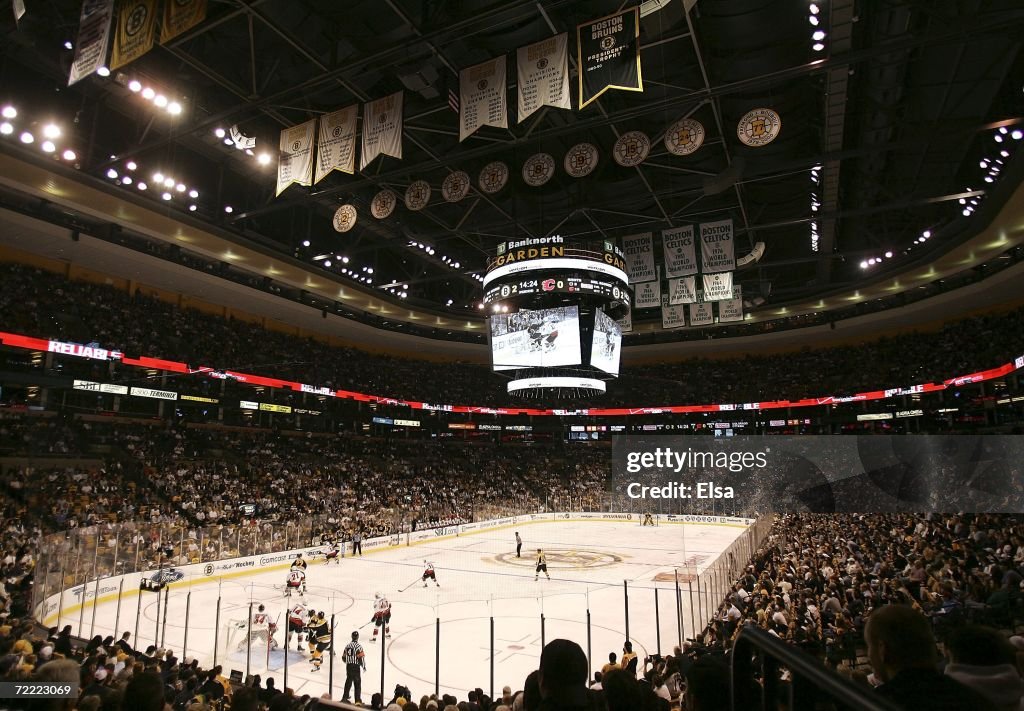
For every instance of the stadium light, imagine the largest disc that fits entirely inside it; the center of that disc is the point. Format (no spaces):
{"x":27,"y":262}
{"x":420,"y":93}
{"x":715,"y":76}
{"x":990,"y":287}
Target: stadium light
{"x":69,"y":155}
{"x":9,"y":112}
{"x":27,"y":137}
{"x":51,"y":131}
{"x":6,"y":129}
{"x":48,"y":147}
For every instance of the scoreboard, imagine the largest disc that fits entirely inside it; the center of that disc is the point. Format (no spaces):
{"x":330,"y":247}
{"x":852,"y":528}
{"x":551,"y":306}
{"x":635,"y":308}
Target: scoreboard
{"x":605,"y":289}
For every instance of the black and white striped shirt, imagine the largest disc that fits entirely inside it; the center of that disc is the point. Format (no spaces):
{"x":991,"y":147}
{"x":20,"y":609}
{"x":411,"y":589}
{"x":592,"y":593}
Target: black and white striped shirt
{"x":353,"y":654}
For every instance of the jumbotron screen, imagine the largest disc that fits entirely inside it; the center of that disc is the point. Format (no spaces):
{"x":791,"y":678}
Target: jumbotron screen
{"x":606,"y":344}
{"x":536,"y":339}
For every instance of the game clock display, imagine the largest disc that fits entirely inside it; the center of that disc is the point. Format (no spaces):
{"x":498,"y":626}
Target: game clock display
{"x":559,"y":284}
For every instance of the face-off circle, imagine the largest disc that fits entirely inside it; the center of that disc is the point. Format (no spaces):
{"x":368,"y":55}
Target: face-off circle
{"x":562,"y":559}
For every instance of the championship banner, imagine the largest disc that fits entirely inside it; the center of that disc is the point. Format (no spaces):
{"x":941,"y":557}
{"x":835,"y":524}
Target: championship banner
{"x":672,"y":316}
{"x":608,"y":53}
{"x":682,"y":290}
{"x":701,"y":314}
{"x":482,"y":97}
{"x":180,"y":16}
{"x":718,"y":287}
{"x":717,"y":249}
{"x":732,"y":309}
{"x":336,"y":144}
{"x":382,"y":129}
{"x":680,"y":251}
{"x":135,"y":33}
{"x":295,"y":162}
{"x":647,"y":295}
{"x":542,"y":76}
{"x":626,"y":322}
{"x":639,"y":253}
{"x":93,"y":39}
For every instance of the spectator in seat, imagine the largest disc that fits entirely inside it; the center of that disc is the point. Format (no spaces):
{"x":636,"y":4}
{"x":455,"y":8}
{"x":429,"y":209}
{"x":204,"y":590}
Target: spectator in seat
{"x":983,"y":659}
{"x":707,"y":686}
{"x":563,"y":679}
{"x":901,"y":649}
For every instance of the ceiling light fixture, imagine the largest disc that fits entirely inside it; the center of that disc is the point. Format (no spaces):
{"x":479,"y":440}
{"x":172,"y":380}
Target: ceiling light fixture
{"x":9,"y":112}
{"x":27,"y":137}
{"x":69,"y":155}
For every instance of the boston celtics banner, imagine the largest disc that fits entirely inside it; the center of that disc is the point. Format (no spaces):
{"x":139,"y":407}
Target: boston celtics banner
{"x":542,"y":73}
{"x":135,"y":33}
{"x":382,"y":129}
{"x":682,"y":290}
{"x":608,"y":52}
{"x":295,"y":162}
{"x":731,"y":310}
{"x":482,"y":97}
{"x":639,"y":253}
{"x":680,"y":251}
{"x":626,"y":322}
{"x":647,"y":295}
{"x":672,"y":316}
{"x":717,"y":252}
{"x":718,"y":287}
{"x":336,"y":144}
{"x":180,"y":16}
{"x":701,"y":314}
{"x":93,"y":39}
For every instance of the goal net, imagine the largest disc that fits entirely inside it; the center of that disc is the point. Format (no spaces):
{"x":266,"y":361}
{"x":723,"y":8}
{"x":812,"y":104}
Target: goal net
{"x":648,"y":519}
{"x":239,"y":639}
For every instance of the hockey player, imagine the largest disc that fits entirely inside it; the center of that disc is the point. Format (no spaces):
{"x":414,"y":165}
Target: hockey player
{"x":299,"y":563}
{"x":381,"y":616}
{"x":429,"y":574}
{"x":331,"y":553}
{"x":296,"y":581}
{"x":542,"y":565}
{"x":319,"y":638}
{"x":298,"y":618}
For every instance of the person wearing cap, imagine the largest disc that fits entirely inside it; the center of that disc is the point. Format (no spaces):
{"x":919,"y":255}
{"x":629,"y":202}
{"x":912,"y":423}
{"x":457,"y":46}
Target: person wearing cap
{"x":355,"y":663}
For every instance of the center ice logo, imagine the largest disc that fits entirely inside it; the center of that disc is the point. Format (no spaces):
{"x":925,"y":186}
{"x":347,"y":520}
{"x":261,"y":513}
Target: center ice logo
{"x":571,"y":559}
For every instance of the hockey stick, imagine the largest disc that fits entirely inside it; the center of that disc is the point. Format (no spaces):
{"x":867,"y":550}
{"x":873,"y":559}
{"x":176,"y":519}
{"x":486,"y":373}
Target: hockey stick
{"x":410,"y":585}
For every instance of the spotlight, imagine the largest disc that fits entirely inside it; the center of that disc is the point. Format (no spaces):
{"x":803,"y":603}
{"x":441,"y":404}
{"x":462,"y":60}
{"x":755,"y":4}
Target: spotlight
{"x":9,"y":112}
{"x":998,"y":138}
{"x":863,"y":265}
{"x":327,"y":263}
{"x":160,"y":100}
{"x":191,"y":208}
{"x":369,"y":270}
{"x":193,"y":193}
{"x":69,"y":155}
{"x":148,"y":94}
{"x":814,"y":9}
{"x":6,"y":128}
{"x":1002,"y":130}
{"x":817,"y":46}
{"x":103,"y":72}
{"x":135,"y":86}
{"x":263,"y":159}
{"x":813,"y":20}
{"x":127,"y":180}
{"x":112,"y":174}
{"x":27,"y":137}
{"x":888,"y":255}
{"x":228,"y":209}
{"x":344,"y":260}
{"x":48,"y":147}
{"x":926,"y":234}
{"x":141,"y":186}
{"x":51,"y":131}
{"x":158,"y":177}
{"x":1017,"y":134}
{"x":219,"y":133}
{"x":166,"y":196}
{"x":131,"y":165}
{"x":168,"y":182}
{"x":228,"y":142}
{"x":989,"y":179}
{"x":68,"y":45}
{"x":305,"y":243}
{"x":967,"y":212}
{"x":174,"y":108}
{"x":818,"y":35}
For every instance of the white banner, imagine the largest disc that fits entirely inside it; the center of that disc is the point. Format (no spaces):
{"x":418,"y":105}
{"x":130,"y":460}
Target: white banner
{"x":382,"y":129}
{"x":731,"y":309}
{"x":482,"y":97}
{"x":639,"y":251}
{"x":717,"y":252}
{"x":93,"y":38}
{"x":336,"y":145}
{"x":680,"y":251}
{"x":626,"y":322}
{"x":672,"y":316}
{"x":295,"y":162}
{"x":682,"y":290}
{"x":542,"y":73}
{"x":647,"y":295}
{"x":718,"y":287}
{"x":701,"y":314}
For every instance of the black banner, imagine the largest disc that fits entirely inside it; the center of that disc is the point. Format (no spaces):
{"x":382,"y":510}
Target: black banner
{"x":608,"y":51}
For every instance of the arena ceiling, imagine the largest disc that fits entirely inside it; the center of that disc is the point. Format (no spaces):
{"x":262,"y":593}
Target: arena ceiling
{"x":896,"y":105}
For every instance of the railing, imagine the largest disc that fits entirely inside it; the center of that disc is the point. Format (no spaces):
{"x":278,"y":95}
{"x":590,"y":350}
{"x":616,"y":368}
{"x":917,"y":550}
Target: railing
{"x":757,"y":656}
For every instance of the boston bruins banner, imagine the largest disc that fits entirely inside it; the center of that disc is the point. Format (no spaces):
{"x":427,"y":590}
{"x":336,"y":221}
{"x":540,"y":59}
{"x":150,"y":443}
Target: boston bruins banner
{"x":482,"y":97}
{"x":717,"y":249}
{"x":701,"y":314}
{"x":336,"y":144}
{"x":639,"y":253}
{"x":295,"y":162}
{"x":680,"y":251}
{"x":682,"y":290}
{"x":608,"y":51}
{"x":136,"y":31}
{"x":731,"y":310}
{"x":180,"y":16}
{"x":542,"y":73}
{"x":718,"y":287}
{"x":647,"y":295}
{"x":382,"y":129}
{"x":672,"y":316}
{"x":93,"y":39}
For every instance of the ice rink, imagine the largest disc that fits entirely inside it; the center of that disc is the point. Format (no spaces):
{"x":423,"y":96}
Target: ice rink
{"x":480,"y":578}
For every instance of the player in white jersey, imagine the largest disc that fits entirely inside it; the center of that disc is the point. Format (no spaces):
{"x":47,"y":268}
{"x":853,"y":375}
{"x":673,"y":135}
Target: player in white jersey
{"x":298,"y":618}
{"x":381,"y":616}
{"x":296,"y":580}
{"x":429,"y":574}
{"x":330,"y":552}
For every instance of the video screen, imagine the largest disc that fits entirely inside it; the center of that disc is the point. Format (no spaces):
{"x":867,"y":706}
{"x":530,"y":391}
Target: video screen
{"x":536,"y":339}
{"x":606,"y":346}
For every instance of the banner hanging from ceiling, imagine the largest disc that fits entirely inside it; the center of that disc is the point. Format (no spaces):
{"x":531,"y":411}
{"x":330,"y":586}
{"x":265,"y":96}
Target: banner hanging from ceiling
{"x":93,"y":39}
{"x":731,"y":310}
{"x":718,"y":287}
{"x":718,"y":253}
{"x":482,"y":97}
{"x":701,"y":314}
{"x":680,"y":251}
{"x":608,"y":51}
{"x":639,"y":254}
{"x":542,"y":76}
{"x":382,"y":129}
{"x":682,"y":290}
{"x":672,"y":316}
{"x":295,"y":161}
{"x":626,"y":322}
{"x":180,"y":16}
{"x":135,"y":33}
{"x":647,"y":295}
{"x":336,"y":143}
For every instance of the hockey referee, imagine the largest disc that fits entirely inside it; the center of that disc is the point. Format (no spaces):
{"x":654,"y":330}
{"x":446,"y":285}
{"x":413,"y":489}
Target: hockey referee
{"x":355,"y":660}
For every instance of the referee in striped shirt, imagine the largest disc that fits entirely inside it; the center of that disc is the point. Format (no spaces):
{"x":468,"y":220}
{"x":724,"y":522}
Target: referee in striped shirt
{"x":355,"y":661}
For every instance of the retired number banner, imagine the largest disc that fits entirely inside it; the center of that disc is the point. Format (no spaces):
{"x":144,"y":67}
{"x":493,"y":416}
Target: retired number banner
{"x":382,"y":129}
{"x":718,"y":253}
{"x":136,"y":31}
{"x":295,"y":163}
{"x":680,"y":251}
{"x":180,"y":16}
{"x":336,"y":145}
{"x":608,"y":51}
{"x":93,"y":39}
{"x":542,"y":73}
{"x":482,"y":97}
{"x":639,"y":253}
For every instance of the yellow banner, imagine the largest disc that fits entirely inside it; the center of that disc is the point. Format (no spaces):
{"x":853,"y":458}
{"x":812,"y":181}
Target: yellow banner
{"x":179,"y":16}
{"x":136,"y":30}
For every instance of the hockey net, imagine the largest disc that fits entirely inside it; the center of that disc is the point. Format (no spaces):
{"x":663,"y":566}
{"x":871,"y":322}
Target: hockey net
{"x":649,"y":519}
{"x":238,"y":640}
